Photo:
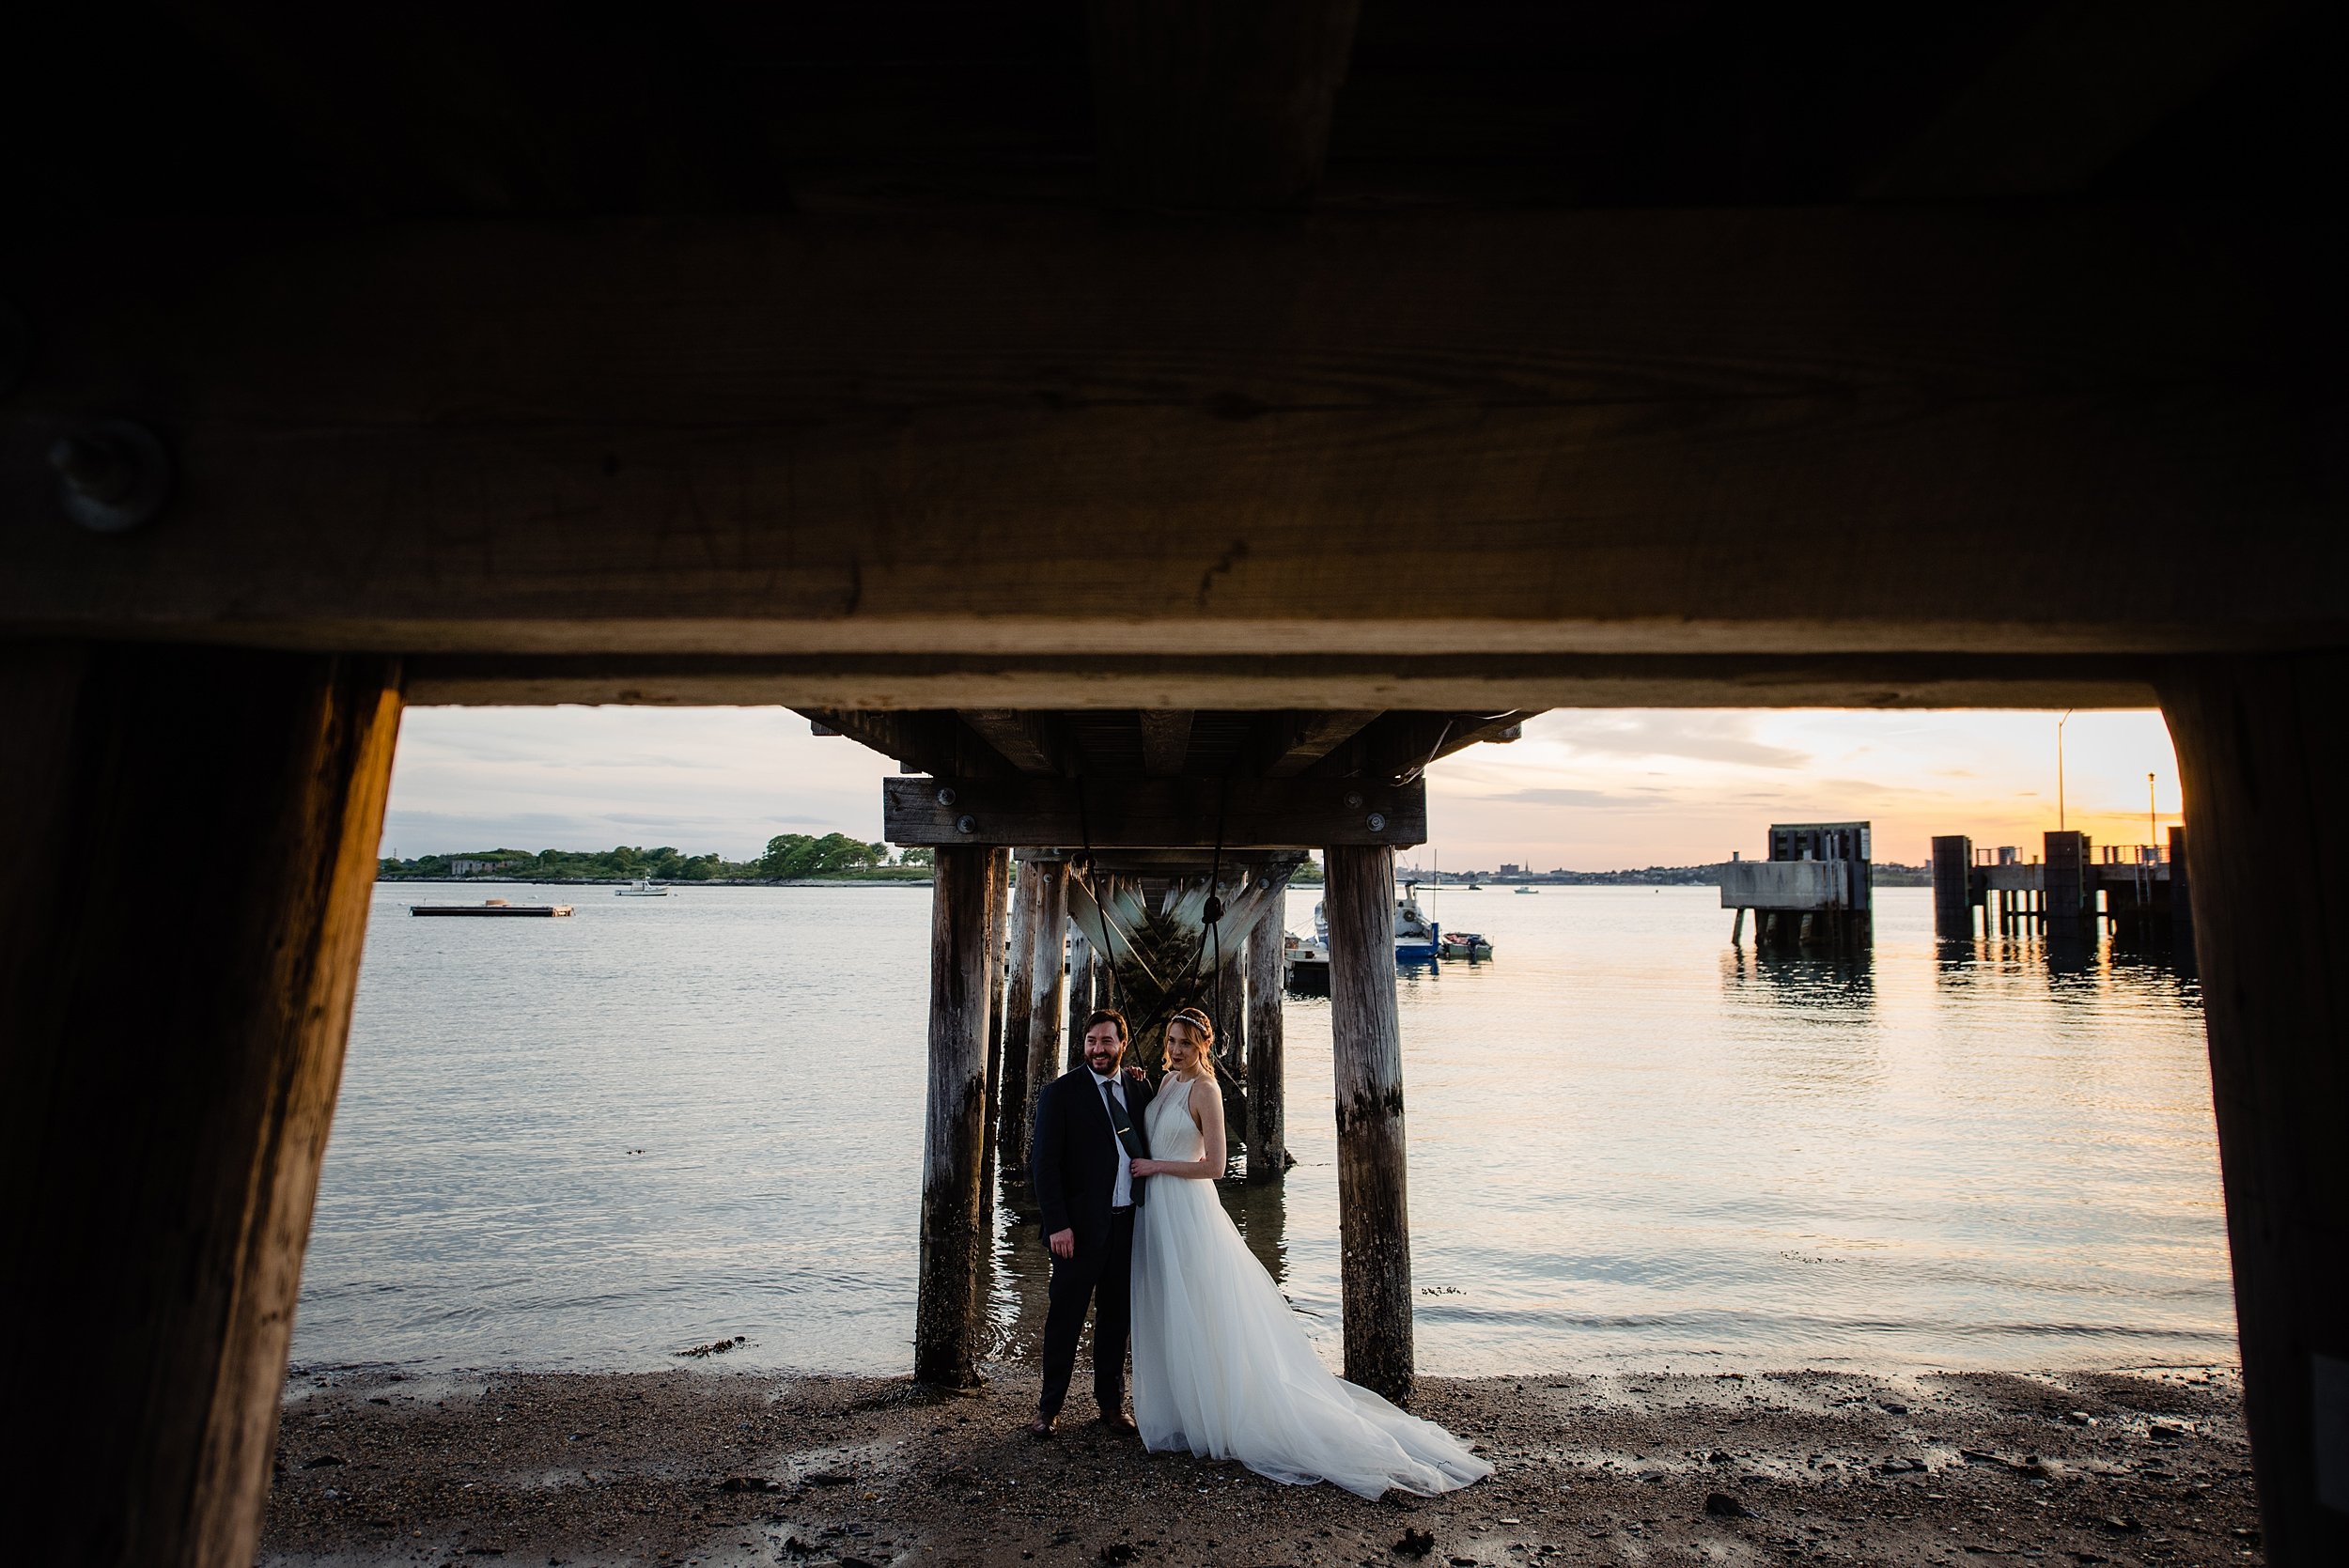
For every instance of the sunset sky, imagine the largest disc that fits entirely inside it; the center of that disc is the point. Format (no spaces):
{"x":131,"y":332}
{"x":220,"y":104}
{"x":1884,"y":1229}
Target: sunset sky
{"x":1587,"y":789}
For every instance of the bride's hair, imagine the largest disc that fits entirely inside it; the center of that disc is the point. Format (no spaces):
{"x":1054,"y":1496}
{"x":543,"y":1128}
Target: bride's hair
{"x":1203,"y":1033}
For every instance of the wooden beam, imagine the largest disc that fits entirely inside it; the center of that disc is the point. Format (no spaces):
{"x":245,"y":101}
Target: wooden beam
{"x":2084,"y":82}
{"x":1021,"y":737}
{"x":1770,"y":431}
{"x":1165,"y":740}
{"x":1153,"y":814}
{"x":2263,"y":744}
{"x":1215,"y":103}
{"x":1494,"y":681}
{"x":998,"y":917}
{"x":1295,"y":741}
{"x":948,"y":1308}
{"x":1374,"y":1209}
{"x":1403,"y":744}
{"x":166,"y":1085}
{"x":920,"y":740}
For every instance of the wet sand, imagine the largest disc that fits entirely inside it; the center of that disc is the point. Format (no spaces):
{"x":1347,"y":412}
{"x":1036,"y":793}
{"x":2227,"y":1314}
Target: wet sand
{"x":707,"y":1466}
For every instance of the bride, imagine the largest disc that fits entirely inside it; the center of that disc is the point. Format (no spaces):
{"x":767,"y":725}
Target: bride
{"x":1220,"y":1365}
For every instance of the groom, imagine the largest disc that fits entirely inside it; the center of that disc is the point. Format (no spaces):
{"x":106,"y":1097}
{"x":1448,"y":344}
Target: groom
{"x":1088,"y":1122}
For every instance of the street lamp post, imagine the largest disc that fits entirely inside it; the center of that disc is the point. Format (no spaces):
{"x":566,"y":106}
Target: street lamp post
{"x":2060,"y":724}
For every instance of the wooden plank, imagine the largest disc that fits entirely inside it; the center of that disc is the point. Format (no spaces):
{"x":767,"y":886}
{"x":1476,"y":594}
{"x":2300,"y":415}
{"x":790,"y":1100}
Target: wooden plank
{"x":1215,"y":104}
{"x":166,"y":1085}
{"x":1366,"y":1052}
{"x":1267,"y":1062}
{"x":1784,"y":430}
{"x":1165,"y":740}
{"x":1153,"y":814}
{"x":998,"y":916}
{"x":1023,"y":737}
{"x":1295,"y":741}
{"x":948,"y":1305}
{"x":2262,"y":746}
{"x":921,"y":740}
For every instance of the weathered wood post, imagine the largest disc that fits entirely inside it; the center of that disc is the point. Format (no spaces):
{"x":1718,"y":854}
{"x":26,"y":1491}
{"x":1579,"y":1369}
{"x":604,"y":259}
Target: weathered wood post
{"x":947,"y":1306}
{"x":1048,"y":1005}
{"x":1080,"y":995}
{"x":1373,"y":1217}
{"x":1952,"y":887}
{"x":1268,"y":1121}
{"x":2263,"y":744}
{"x":166,"y":1084}
{"x":1008,"y":1082}
{"x":998,"y":911}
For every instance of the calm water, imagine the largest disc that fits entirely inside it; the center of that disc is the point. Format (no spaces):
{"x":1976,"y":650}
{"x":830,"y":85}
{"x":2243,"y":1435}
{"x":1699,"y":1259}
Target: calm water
{"x":590,"y":1143}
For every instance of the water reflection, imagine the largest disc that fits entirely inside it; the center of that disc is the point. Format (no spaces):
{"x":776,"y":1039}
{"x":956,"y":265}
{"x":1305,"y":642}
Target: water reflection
{"x":1807,"y":981}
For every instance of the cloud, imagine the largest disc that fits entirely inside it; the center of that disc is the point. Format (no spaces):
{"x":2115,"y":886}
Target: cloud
{"x":1598,"y":799}
{"x":1703,"y":736}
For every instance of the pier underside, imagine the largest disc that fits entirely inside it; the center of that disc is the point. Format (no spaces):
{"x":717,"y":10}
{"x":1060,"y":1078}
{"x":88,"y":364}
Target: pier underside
{"x":1141,"y":419}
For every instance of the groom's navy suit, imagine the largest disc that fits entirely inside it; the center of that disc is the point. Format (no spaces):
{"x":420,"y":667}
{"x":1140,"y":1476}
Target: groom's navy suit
{"x":1074,"y":1167}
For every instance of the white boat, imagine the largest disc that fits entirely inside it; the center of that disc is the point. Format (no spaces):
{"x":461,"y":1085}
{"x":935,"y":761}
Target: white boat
{"x":641,"y":888}
{"x":1527,"y":890}
{"x":1414,"y":933}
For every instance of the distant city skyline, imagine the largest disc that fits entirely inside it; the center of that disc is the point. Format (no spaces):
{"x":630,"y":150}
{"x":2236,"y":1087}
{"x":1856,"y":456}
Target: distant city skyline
{"x":1585,"y":789}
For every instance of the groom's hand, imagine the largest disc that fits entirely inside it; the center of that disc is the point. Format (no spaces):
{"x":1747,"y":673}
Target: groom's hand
{"x":1063,"y":1244}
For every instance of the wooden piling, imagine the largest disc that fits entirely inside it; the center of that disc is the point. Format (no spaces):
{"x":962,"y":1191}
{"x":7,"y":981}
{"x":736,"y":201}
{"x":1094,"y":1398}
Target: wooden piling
{"x":1080,"y":996}
{"x":998,"y":914}
{"x":1374,"y":1219}
{"x":947,"y":1305}
{"x":1268,"y":1119}
{"x":166,"y":1084}
{"x":1048,"y":1005}
{"x":2262,"y":743}
{"x":1009,"y":1081}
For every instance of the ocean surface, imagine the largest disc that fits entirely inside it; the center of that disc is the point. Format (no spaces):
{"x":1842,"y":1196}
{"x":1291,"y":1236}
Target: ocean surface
{"x":589,"y":1144}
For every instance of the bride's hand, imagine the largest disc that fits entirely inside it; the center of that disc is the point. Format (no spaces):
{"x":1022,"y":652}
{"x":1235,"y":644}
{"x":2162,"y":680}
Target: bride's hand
{"x":1140,"y":1168}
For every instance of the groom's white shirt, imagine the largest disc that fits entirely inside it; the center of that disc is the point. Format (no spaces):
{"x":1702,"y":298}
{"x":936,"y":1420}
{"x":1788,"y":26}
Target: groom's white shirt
{"x":1122,"y":1193}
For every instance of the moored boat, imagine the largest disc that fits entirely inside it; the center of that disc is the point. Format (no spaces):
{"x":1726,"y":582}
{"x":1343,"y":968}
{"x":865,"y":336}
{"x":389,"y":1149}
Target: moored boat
{"x":1463,"y":944}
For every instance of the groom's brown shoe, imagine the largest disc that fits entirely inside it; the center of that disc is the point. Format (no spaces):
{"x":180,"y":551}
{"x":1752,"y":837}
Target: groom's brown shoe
{"x":1119,"y":1422}
{"x":1040,"y":1428}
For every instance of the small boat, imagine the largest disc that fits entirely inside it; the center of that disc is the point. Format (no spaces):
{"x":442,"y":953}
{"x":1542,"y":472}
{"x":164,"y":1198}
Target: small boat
{"x":1414,"y":933}
{"x":492,"y":907}
{"x":1527,"y":890}
{"x":1473,"y":887}
{"x":1463,"y":944}
{"x":1306,"y":965}
{"x":641,"y":888}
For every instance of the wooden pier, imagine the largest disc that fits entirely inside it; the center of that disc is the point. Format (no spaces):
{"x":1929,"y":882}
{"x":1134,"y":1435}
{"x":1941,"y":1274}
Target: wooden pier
{"x":492,"y":907}
{"x":1318,"y":371}
{"x":2137,"y":892}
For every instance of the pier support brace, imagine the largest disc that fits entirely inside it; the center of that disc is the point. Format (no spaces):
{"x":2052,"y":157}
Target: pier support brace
{"x":2263,"y":744}
{"x":1374,"y":1219}
{"x":1268,"y":1068}
{"x":166,"y":1083}
{"x":1080,"y":1002}
{"x":998,"y":912}
{"x":947,"y":1305}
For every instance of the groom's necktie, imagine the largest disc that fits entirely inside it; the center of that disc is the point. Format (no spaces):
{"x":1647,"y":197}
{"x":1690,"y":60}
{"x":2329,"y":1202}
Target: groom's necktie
{"x":1119,"y":1120}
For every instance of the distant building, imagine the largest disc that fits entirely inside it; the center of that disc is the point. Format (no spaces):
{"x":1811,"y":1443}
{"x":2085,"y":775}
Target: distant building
{"x":1510,"y":868}
{"x":474,"y":868}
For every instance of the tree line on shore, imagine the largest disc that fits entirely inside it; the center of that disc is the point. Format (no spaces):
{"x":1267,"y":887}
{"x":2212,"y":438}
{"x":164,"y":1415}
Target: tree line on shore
{"x":787,"y":857}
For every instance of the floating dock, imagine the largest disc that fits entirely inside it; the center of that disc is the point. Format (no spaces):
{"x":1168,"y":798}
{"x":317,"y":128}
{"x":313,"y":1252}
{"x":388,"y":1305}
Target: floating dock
{"x":493,"y":907}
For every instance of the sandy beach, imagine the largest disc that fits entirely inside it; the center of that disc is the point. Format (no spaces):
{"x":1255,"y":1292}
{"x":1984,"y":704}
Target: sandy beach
{"x":706,"y":1466}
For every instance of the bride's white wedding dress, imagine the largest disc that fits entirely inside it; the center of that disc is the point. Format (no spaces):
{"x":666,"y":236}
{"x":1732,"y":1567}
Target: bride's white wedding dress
{"x":1221,"y":1368}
